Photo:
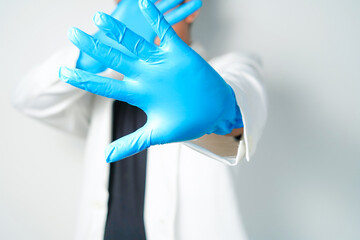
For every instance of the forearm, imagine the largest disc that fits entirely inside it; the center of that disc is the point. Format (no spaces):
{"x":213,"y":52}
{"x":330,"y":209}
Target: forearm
{"x":42,"y":95}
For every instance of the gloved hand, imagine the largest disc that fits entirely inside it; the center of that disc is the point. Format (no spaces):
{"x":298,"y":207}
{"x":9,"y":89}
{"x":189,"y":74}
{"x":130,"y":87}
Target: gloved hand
{"x":128,"y":12}
{"x":183,"y":97}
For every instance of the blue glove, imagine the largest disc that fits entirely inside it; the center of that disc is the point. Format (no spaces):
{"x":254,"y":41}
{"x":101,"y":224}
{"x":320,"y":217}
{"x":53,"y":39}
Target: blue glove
{"x":183,"y":97}
{"x":128,"y":12}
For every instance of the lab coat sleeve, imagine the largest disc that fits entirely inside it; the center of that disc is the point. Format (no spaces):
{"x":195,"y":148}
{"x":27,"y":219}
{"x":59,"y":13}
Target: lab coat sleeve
{"x":243,"y":74}
{"x":42,"y":95}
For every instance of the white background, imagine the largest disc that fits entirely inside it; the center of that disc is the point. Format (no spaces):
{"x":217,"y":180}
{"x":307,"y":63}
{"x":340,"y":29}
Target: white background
{"x":303,"y":182}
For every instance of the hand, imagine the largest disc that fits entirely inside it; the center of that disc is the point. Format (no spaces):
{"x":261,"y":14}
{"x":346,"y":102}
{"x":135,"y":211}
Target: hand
{"x":128,"y":12}
{"x":183,"y":97}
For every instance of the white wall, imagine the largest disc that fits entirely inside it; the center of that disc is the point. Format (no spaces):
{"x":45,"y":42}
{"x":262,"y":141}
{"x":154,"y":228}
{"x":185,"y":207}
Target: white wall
{"x":304,"y":181}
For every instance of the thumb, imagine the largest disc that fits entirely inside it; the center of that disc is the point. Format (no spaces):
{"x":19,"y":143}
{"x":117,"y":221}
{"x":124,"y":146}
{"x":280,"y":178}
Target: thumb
{"x":129,"y":145}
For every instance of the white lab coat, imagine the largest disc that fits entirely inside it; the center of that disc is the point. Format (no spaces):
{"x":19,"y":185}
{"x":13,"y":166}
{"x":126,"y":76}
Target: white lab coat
{"x":191,"y":189}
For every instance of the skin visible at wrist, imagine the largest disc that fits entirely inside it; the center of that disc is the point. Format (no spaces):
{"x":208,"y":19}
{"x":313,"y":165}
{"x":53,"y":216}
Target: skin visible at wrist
{"x":236,"y":132}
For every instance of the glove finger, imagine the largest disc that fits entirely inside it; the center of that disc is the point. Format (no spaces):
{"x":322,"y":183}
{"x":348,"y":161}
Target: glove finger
{"x":166,"y":5}
{"x":108,"y":56}
{"x":103,"y":86}
{"x":122,"y":5}
{"x":157,"y":21}
{"x":129,"y":145}
{"x":117,"y":31}
{"x":183,"y":11}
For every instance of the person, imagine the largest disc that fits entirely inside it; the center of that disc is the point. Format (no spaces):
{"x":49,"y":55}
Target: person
{"x":191,"y":190}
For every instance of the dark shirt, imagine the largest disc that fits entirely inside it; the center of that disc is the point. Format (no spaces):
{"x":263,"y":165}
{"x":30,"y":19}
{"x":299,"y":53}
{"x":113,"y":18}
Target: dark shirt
{"x":127,"y":181}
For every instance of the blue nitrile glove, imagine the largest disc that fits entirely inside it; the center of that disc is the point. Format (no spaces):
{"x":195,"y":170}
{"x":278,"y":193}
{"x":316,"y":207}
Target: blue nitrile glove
{"x":128,"y":12}
{"x":183,"y":97}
